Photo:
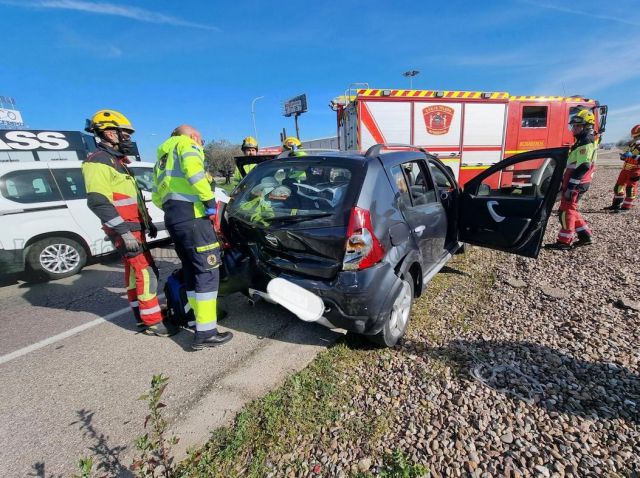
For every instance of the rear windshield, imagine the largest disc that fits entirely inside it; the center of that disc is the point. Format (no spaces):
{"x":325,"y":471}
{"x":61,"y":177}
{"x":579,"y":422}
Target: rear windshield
{"x":293,"y":190}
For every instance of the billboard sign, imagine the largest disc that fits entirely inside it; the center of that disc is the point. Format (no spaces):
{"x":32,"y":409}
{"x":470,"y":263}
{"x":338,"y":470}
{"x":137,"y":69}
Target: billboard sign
{"x":9,"y":117}
{"x":295,"y":106}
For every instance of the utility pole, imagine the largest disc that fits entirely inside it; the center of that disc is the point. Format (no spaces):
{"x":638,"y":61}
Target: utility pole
{"x":253,"y":116}
{"x":410,"y":74}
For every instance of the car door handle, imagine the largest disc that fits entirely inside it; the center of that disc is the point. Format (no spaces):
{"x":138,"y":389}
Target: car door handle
{"x":419,"y":230}
{"x":494,"y":215}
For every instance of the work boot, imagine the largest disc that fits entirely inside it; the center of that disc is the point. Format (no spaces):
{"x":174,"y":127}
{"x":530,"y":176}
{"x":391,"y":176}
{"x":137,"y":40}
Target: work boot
{"x":210,"y":338}
{"x":612,"y":208}
{"x":583,"y":241}
{"x":558,"y":246}
{"x":162,"y":329}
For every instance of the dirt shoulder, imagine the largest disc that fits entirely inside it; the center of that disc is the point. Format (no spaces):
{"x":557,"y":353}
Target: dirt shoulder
{"x":511,"y":367}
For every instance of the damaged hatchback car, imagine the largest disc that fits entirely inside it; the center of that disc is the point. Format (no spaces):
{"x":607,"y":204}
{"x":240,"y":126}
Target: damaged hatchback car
{"x":349,"y":240}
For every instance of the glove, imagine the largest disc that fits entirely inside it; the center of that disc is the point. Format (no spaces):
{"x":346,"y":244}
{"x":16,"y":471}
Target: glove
{"x":131,"y":244}
{"x":153,"y":231}
{"x":211,"y":212}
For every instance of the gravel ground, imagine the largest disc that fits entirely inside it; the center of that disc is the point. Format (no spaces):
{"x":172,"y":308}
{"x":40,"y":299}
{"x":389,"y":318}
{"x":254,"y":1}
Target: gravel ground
{"x":512,"y":367}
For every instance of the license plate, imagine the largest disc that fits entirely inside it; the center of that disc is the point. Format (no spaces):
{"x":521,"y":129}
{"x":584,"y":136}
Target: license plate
{"x":303,"y":303}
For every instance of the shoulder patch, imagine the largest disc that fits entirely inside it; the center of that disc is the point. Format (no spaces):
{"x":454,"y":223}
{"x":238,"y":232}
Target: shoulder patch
{"x":583,"y":150}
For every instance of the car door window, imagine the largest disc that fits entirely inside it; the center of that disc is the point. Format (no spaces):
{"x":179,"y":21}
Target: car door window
{"x":419,"y":182}
{"x":440,"y":177}
{"x":71,"y":183}
{"x":401,"y":184}
{"x":29,"y":186}
{"x":525,"y":179}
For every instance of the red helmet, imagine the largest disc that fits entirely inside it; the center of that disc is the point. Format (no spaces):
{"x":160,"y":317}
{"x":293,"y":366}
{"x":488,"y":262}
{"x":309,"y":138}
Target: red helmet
{"x":635,"y":131}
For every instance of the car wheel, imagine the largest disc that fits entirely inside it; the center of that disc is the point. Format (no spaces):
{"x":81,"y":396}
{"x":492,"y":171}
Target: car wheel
{"x":56,"y":257}
{"x":398,"y":319}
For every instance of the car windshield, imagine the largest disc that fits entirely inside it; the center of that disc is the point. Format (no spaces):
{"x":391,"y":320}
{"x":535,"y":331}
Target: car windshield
{"x":291,"y":191}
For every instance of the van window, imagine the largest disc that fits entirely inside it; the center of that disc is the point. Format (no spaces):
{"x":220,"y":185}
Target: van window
{"x":29,"y":186}
{"x":71,"y":183}
{"x":534,"y":116}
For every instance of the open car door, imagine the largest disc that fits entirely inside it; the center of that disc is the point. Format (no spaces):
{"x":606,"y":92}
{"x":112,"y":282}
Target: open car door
{"x":507,"y":207}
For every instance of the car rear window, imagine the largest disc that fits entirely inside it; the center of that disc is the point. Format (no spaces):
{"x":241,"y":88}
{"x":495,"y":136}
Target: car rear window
{"x":295,"y":190}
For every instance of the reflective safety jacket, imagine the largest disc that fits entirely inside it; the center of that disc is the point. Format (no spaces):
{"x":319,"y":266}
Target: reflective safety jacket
{"x":112,"y":192}
{"x":237,"y":177}
{"x":631,"y":157}
{"x":181,"y":187}
{"x":582,"y":160}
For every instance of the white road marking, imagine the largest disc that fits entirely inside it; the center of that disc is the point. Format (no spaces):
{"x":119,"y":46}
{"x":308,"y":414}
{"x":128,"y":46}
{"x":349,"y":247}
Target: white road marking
{"x":57,"y":338}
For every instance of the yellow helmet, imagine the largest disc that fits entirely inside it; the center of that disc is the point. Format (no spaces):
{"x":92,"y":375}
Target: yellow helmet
{"x":107,"y":119}
{"x":583,"y":117}
{"x":249,"y":142}
{"x":291,"y":143}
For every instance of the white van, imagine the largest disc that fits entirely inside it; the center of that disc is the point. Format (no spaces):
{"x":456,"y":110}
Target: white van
{"x":45,"y":224}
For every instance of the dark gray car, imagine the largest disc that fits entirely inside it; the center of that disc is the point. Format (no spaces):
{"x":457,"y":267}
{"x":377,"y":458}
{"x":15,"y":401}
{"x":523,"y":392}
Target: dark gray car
{"x":366,"y":232}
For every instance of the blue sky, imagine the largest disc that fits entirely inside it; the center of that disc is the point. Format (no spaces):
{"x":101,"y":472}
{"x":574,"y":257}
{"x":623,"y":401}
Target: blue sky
{"x":202,"y":62}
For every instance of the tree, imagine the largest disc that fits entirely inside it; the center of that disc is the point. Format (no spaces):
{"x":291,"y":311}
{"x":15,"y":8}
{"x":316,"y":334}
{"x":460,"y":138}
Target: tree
{"x":219,"y":156}
{"x":623,"y":142}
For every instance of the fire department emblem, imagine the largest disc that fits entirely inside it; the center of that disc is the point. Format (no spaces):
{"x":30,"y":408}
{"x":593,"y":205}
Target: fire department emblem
{"x":437,"y":119}
{"x":212,"y":260}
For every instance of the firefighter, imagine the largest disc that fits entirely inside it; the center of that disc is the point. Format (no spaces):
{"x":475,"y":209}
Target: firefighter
{"x":293,"y":144}
{"x":249,"y":148}
{"x":576,"y":181}
{"x":182,"y":191}
{"x":114,"y":196}
{"x":626,"y":188}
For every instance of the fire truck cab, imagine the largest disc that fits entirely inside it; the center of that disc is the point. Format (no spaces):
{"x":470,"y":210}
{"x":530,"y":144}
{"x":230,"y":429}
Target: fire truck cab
{"x":468,"y":130}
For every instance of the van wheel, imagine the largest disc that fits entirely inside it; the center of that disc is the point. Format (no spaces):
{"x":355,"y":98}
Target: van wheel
{"x":398,"y":319}
{"x":56,"y":257}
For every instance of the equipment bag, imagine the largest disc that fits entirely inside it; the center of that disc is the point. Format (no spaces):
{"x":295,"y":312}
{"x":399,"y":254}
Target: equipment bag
{"x":178,"y":309}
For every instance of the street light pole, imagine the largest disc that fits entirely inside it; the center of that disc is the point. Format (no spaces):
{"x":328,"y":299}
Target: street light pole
{"x":410,"y":74}
{"x":253,"y":115}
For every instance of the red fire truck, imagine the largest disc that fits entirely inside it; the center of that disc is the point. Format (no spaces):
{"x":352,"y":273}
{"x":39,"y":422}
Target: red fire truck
{"x":468,"y":130}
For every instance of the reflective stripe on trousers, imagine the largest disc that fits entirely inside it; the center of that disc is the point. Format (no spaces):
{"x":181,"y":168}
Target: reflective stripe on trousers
{"x":141,"y":281}
{"x":197,"y":247}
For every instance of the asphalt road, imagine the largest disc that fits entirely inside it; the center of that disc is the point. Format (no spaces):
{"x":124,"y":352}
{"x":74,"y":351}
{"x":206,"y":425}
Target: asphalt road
{"x":70,"y":380}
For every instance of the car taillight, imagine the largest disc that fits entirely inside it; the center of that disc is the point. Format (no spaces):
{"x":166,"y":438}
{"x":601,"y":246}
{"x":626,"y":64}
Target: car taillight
{"x":363,"y":249}
{"x":217,"y":226}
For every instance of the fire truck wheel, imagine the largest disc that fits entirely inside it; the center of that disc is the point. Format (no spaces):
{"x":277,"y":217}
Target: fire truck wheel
{"x":398,"y":319}
{"x":55,"y":257}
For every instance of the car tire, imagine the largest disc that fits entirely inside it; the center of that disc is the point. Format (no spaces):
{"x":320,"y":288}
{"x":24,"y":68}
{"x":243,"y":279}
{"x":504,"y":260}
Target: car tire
{"x":55,"y":258}
{"x":395,"y":324}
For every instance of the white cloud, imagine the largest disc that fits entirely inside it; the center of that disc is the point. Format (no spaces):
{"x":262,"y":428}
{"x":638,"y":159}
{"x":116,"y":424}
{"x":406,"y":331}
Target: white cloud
{"x":573,"y":11}
{"x":100,"y":8}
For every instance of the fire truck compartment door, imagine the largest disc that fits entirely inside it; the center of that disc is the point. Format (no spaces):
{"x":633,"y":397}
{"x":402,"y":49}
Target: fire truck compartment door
{"x":384,"y":122}
{"x":498,"y":213}
{"x":484,"y":129}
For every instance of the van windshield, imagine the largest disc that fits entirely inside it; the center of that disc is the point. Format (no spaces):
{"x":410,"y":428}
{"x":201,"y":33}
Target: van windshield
{"x":288,"y":189}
